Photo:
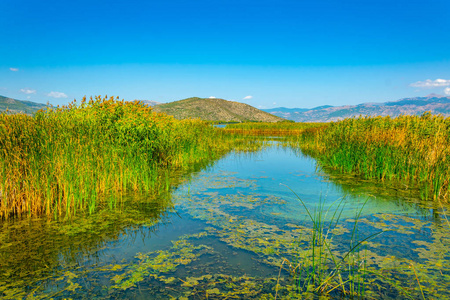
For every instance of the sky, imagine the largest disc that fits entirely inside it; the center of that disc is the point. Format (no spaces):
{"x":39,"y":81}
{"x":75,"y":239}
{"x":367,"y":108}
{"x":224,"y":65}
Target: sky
{"x":266,"y":53}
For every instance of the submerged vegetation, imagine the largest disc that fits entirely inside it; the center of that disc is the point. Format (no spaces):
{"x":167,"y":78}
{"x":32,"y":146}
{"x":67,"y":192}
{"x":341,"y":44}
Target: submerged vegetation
{"x":241,"y":250}
{"x":320,"y":269}
{"x":234,"y":232}
{"x":71,"y":158}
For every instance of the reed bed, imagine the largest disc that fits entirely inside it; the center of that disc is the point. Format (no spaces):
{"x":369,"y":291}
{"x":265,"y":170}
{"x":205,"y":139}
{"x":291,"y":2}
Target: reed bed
{"x":70,"y":158}
{"x":412,"y":150}
{"x":266,"y":128}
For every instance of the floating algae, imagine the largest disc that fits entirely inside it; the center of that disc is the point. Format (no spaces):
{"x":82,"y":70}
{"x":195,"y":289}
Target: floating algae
{"x":231,"y":233}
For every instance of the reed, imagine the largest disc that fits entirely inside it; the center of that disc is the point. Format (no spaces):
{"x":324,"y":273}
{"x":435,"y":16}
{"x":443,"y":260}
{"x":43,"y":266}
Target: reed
{"x":267,"y":128}
{"x":412,"y":150}
{"x":322,"y":270}
{"x":71,"y":158}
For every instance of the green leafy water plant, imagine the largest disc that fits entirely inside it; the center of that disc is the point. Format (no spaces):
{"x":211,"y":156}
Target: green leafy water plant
{"x":319,"y":269}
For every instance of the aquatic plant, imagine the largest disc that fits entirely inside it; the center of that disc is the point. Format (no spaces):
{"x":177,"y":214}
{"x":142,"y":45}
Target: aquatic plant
{"x":271,"y":129}
{"x":76,"y":157}
{"x":35,"y":253}
{"x":412,"y":150}
{"x":319,"y":269}
{"x":155,"y":264}
{"x":238,"y":220}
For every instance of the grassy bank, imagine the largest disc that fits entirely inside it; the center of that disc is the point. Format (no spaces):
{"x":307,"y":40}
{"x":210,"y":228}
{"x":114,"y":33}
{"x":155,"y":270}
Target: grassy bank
{"x":410,"y":149}
{"x":266,"y":128}
{"x":67,"y":159}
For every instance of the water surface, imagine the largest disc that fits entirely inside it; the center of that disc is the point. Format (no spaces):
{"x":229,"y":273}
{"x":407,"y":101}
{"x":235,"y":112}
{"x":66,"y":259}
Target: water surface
{"x":225,"y":233}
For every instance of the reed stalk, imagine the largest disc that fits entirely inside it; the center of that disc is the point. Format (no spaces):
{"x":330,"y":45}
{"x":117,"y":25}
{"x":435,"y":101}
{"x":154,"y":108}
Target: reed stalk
{"x":75,"y":157}
{"x":411,"y":150}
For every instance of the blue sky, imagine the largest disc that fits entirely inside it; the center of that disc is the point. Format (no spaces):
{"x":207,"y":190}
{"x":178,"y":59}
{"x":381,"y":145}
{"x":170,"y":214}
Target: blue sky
{"x":289,"y":53}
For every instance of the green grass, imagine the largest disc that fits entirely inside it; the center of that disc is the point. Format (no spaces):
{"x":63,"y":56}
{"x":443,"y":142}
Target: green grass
{"x":287,"y":125}
{"x":322,"y":270}
{"x":411,"y":150}
{"x":271,"y":129}
{"x":74,"y":158}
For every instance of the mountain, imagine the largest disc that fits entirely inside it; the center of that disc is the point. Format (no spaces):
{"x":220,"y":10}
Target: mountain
{"x":215,"y":110}
{"x":434,"y":103}
{"x":20,"y":106}
{"x":149,"y":102}
{"x":284,"y":110}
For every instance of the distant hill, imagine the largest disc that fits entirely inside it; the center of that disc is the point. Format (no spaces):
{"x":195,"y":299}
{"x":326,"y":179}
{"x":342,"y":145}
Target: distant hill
{"x":436,"y":104}
{"x":20,"y":106}
{"x":215,"y":110}
{"x":149,"y":102}
{"x":283,"y":110}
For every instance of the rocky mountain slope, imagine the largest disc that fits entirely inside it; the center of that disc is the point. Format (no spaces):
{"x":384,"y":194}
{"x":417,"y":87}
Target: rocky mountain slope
{"x":436,"y":104}
{"x":215,"y":110}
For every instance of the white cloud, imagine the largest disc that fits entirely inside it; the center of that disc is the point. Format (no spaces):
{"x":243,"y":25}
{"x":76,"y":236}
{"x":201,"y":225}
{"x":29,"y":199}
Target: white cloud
{"x":57,"y":95}
{"x":447,"y":91}
{"x":274,"y":103}
{"x":431,"y":83}
{"x":247,"y":97}
{"x":28,"y":91}
{"x":14,"y":69}
{"x":212,"y":97}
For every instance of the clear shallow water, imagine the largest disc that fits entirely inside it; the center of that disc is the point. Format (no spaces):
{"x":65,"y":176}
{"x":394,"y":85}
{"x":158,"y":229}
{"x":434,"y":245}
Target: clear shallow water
{"x":225,"y":233}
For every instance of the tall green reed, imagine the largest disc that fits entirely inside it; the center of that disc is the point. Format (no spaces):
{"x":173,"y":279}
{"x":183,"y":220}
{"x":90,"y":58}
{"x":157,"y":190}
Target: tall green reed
{"x":412,"y":150}
{"x":321,"y":269}
{"x":76,"y":157}
{"x":266,"y":128}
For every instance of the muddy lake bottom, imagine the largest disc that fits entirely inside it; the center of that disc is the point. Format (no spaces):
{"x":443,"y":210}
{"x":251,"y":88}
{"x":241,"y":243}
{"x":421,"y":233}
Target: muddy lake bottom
{"x":233,"y":231}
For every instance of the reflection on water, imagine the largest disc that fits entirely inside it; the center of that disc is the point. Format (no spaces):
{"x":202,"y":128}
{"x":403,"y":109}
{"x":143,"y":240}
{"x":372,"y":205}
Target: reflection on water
{"x":225,"y":234}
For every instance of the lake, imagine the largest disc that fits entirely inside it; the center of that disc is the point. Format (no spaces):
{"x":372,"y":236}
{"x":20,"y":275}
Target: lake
{"x":241,"y":228}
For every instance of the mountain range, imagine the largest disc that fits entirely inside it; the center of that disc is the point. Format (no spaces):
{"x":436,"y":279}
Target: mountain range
{"x":229,"y":111}
{"x":436,"y":104}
